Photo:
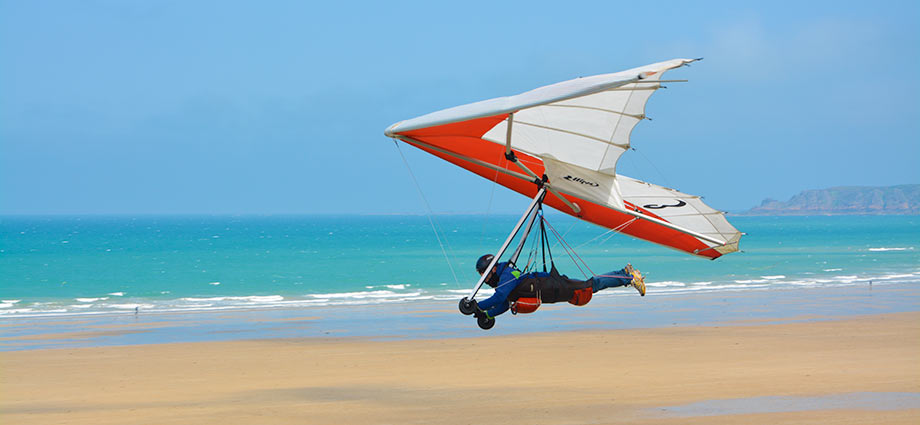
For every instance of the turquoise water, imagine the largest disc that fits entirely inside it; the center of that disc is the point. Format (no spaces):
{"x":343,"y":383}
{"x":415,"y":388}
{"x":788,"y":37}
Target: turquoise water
{"x":92,"y":265}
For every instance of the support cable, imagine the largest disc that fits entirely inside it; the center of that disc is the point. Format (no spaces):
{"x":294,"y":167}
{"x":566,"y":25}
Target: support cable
{"x":428,"y":207}
{"x":567,"y":231}
{"x":482,"y":234}
{"x":543,"y":242}
{"x":572,"y":254}
{"x":612,"y":232}
{"x":663,"y":177}
{"x":531,"y":256}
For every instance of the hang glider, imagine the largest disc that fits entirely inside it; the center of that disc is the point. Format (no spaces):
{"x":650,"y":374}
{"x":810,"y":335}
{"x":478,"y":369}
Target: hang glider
{"x":566,"y":138}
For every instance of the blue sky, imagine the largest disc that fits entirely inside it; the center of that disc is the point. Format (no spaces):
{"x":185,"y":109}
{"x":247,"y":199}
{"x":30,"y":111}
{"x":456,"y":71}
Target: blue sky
{"x":226,"y":107}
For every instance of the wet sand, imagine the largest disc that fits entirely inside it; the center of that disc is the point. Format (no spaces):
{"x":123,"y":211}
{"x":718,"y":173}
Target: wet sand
{"x":755,"y":373}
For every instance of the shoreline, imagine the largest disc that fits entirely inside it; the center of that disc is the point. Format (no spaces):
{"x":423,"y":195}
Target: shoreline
{"x":858,"y":369}
{"x":117,"y":303}
{"x":441,"y":320}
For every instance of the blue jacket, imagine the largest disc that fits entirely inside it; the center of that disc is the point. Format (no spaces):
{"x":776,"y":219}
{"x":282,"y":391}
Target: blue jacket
{"x":508,"y":279}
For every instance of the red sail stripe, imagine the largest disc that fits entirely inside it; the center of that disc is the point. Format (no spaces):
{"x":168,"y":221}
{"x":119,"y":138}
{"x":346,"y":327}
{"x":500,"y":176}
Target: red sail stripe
{"x":465,"y":138}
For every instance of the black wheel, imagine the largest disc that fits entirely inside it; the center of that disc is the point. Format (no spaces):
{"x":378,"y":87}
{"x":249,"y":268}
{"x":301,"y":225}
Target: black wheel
{"x":485,"y":323}
{"x":466,"y":306}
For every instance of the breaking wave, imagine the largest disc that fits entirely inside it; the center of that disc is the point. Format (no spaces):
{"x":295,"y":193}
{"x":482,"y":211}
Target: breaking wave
{"x":118,"y":303}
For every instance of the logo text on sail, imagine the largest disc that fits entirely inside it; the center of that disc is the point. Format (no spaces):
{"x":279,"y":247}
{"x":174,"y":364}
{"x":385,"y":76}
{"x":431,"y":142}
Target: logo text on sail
{"x":580,"y":180}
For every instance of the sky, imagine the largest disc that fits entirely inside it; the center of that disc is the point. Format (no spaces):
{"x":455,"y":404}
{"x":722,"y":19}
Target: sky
{"x":279,"y":107}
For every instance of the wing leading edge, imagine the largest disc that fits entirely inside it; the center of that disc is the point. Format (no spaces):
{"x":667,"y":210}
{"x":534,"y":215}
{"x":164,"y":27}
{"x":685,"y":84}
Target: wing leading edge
{"x":574,"y":132}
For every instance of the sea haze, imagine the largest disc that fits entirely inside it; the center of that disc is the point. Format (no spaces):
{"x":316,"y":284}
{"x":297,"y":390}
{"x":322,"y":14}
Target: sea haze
{"x":98,"y":265}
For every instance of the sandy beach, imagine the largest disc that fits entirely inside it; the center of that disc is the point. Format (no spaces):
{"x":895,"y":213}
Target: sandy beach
{"x":861,"y":369}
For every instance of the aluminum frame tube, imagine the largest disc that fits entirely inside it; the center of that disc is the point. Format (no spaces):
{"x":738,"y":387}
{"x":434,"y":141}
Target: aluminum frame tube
{"x":533,"y":204}
{"x":549,"y":187}
{"x":520,"y":247}
{"x":697,"y":235}
{"x":558,"y":194}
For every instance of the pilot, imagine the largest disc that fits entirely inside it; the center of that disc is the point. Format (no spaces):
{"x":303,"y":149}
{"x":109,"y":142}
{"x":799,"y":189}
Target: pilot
{"x":523,"y":293}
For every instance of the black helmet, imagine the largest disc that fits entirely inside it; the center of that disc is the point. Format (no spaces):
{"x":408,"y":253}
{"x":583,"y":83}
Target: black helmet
{"x":483,"y":262}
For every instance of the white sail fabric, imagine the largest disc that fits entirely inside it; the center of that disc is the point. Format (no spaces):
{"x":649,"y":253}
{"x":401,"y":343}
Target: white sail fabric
{"x":584,"y":122}
{"x":591,"y":131}
{"x":681,"y":209}
{"x":586,"y":184}
{"x":578,"y":129}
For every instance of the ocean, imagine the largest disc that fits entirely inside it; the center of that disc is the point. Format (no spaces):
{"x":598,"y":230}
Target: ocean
{"x":97,"y":265}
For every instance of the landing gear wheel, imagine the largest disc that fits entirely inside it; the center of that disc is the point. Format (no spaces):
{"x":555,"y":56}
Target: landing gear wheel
{"x":466,"y":306}
{"x":485,"y":323}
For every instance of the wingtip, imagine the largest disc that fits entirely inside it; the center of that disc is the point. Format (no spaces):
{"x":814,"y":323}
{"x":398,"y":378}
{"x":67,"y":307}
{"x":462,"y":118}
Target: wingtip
{"x":391,"y":130}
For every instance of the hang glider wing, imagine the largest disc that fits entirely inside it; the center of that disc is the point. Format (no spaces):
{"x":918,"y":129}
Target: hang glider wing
{"x":574,"y":132}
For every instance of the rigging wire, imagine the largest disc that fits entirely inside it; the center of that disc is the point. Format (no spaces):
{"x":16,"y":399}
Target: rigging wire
{"x":544,"y":245}
{"x":665,"y":179}
{"x":482,"y":234}
{"x":428,"y":206}
{"x":608,"y":232}
{"x":612,"y":232}
{"x":532,"y":254}
{"x":574,"y":223}
{"x":573,"y":255}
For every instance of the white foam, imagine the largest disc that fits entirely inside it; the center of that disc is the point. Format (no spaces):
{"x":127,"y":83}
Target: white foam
{"x":251,"y":298}
{"x":10,"y":301}
{"x":130,"y":306}
{"x":318,"y":301}
{"x":667,"y":283}
{"x":832,"y":270}
{"x":116,"y":294}
{"x":401,"y":293}
{"x":483,"y":292}
{"x":802,"y":283}
{"x":368,"y":294}
{"x":17,"y":311}
{"x":214,"y":283}
{"x":883,"y":249}
{"x":893,"y":276}
{"x":57,"y":310}
{"x":738,"y":286}
{"x":693,"y":289}
{"x":262,"y":298}
{"x":90,"y":300}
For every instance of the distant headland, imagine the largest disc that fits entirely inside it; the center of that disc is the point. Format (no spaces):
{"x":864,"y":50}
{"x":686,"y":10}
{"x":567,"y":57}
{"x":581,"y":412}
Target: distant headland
{"x":844,"y":200}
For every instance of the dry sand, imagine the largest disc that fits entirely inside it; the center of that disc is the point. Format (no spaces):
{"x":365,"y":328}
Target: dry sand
{"x":620,"y":376}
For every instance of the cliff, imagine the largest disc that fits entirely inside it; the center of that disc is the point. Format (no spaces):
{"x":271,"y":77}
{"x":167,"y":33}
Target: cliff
{"x":901,"y":199}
